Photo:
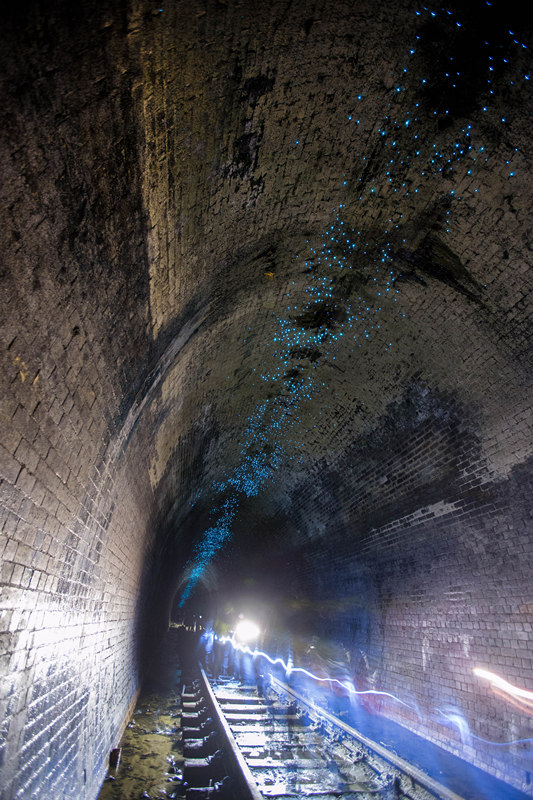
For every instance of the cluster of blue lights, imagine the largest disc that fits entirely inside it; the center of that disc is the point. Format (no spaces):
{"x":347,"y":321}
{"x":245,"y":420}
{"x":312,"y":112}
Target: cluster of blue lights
{"x":308,"y":335}
{"x":351,"y":275}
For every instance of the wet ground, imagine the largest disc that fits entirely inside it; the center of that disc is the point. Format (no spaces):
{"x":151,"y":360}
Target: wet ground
{"x":151,"y":759}
{"x":289,"y":756}
{"x":150,"y":750}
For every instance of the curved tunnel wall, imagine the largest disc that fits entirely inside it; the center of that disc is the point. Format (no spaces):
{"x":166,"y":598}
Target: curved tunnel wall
{"x":266,"y":276}
{"x":77,"y":512}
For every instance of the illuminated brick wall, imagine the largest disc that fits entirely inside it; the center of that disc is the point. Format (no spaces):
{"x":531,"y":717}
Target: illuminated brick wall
{"x":427,"y":562}
{"x":76,"y":508}
{"x":265,"y":277}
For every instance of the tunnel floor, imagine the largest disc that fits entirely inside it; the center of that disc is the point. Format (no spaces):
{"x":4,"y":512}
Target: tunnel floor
{"x":151,"y":761}
{"x":467,"y":780}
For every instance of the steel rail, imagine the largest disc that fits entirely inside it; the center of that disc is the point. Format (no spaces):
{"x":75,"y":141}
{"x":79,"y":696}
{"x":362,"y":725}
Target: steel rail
{"x":239,"y":768}
{"x":426,"y":781}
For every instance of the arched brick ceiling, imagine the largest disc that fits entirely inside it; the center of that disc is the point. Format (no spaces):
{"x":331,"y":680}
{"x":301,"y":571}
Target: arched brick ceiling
{"x":266,"y":302}
{"x":336,"y":200}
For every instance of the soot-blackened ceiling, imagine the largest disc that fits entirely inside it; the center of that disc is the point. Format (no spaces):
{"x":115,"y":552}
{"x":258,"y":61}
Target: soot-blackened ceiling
{"x":282,"y":241}
{"x":346,"y":189}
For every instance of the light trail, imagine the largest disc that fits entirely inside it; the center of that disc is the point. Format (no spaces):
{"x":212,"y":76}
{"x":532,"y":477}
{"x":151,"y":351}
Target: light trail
{"x":467,"y":735}
{"x":503,"y":685}
{"x":289,"y":669}
{"x":454,"y":717}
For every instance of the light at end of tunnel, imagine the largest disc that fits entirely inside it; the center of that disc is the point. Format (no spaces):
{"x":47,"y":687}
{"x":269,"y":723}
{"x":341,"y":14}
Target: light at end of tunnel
{"x":246,"y":631}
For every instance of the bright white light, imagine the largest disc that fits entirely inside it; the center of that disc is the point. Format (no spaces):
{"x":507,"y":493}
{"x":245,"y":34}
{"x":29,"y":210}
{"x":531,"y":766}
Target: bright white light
{"x":503,"y":685}
{"x":246,"y":631}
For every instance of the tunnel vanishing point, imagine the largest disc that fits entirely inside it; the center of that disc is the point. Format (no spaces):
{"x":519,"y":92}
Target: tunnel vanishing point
{"x":266,"y":284}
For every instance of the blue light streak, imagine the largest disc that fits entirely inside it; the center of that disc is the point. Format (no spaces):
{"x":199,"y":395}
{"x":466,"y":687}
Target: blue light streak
{"x":452,"y":715}
{"x":290,"y":670}
{"x":457,"y":719}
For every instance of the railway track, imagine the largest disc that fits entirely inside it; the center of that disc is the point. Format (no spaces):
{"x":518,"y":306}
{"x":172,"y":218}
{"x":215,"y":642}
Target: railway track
{"x":243,"y":744}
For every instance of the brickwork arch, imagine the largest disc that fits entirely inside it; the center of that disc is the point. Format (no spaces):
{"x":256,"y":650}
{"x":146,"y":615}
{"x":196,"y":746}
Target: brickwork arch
{"x":265,"y":283}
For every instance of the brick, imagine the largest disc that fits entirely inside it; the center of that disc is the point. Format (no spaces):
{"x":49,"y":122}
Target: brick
{"x":10,"y":466}
{"x":145,"y":177}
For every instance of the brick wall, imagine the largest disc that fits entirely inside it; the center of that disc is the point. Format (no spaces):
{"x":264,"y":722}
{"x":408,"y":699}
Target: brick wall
{"x":428,"y":562}
{"x":76,"y":510}
{"x":176,"y":181}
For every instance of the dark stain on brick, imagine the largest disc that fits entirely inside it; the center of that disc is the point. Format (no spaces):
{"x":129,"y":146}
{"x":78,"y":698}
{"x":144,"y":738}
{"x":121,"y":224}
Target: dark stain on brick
{"x":351,"y":282}
{"x":306,"y":353}
{"x":265,"y":261}
{"x":308,"y":24}
{"x":321,"y":315}
{"x":434,"y":259}
{"x":454,"y":49}
{"x":245,"y":153}
{"x":256,"y":87}
{"x":292,"y":373}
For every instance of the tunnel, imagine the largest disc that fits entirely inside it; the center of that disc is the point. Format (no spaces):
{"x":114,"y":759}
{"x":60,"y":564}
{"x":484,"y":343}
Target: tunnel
{"x":266,"y":350}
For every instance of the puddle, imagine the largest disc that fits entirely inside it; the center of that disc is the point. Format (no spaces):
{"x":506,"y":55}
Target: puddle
{"x":150,"y":758}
